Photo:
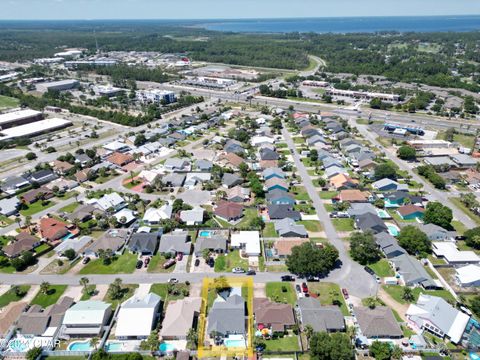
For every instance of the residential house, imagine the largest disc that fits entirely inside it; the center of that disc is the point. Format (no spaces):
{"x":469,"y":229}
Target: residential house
{"x":283,"y":247}
{"x":274,"y":316}
{"x":342,"y":181}
{"x":450,"y":253}
{"x":367,"y":165}
{"x":212,"y":240}
{"x":13,"y":184}
{"x":62,"y":167}
{"x":330,"y":161}
{"x":9,"y":315}
{"x":278,"y":212}
{"x":82,"y":159}
{"x":276,"y":183}
{"x":87,"y":319}
{"x":378,"y":323}
{"x":125,"y":216}
{"x":357,"y":209}
{"x":227,"y":317}
{"x":265,"y":164}
{"x":83,"y":213}
{"x":23,"y":242}
{"x":176,"y":164}
{"x":229,"y":211}
{"x":238,"y":194}
{"x":233,"y":146}
{"x":231,"y":180}
{"x":334,"y":171}
{"x":9,"y":206}
{"x":410,"y":212}
{"x":268,"y":154}
{"x":137,"y":317}
{"x":113,"y":240}
{"x":33,"y":195}
{"x":288,"y":228}
{"x":111,"y":201}
{"x":143,"y":243}
{"x":412,"y":272}
{"x":279,"y":197}
{"x":193,"y":216}
{"x":154,"y":216}
{"x":181,"y":316}
{"x":388,"y":245}
{"x":273,"y":173}
{"x":52,"y":229}
{"x":385,"y":185}
{"x":120,"y":159}
{"x":230,"y":160}
{"x":436,"y":233}
{"x":248,"y":241}
{"x":204,"y":165}
{"x":353,"y":196}
{"x":399,"y":198}
{"x":174,"y":179}
{"x":370,"y":222}
{"x":42,"y":176}
{"x":175,"y":242}
{"x":320,"y":318}
{"x":468,"y":276}
{"x":433,"y":314}
{"x":76,"y":244}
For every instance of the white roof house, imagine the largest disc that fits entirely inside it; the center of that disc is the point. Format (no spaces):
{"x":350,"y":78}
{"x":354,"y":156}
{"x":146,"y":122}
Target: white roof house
{"x":248,"y":240}
{"x":257,"y":140}
{"x":137,"y":316}
{"x":86,"y":318}
{"x":125,"y":214}
{"x":108,"y":201}
{"x":451,"y":254}
{"x":468,"y":276}
{"x":154,"y":215}
{"x":434,"y":314}
{"x":73,"y":243}
{"x":192,"y":217}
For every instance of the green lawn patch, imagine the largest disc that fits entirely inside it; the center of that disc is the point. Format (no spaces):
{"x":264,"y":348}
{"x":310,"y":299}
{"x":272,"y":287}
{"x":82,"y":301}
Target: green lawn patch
{"x":36,"y":207}
{"x":327,"y":195}
{"x":286,"y":343}
{"x":382,"y":268}
{"x":343,"y":224}
{"x":123,"y":264}
{"x":269,"y":230}
{"x":396,"y":292}
{"x":225,"y":263}
{"x":329,"y":207}
{"x":328,"y":294}
{"x":54,"y":293}
{"x":86,"y":295}
{"x":5,"y":221}
{"x":178,"y":291}
{"x":8,"y":102}
{"x":248,"y":216}
{"x":10,"y":295}
{"x":461,"y":206}
{"x":70,"y":208}
{"x":311,"y":225}
{"x":156,"y":265}
{"x":300,"y":193}
{"x":276,"y":268}
{"x":281,"y":292}
{"x":128,"y":291}
{"x":459,"y":227}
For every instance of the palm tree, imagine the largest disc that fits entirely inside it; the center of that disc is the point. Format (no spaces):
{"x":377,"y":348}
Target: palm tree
{"x":397,"y":353}
{"x":28,"y":222}
{"x":371,"y":302}
{"x":308,"y":330}
{"x":192,"y":338}
{"x":45,"y":287}
{"x":94,"y":342}
{"x":84,"y":282}
{"x":408,"y":295}
{"x":18,"y":220}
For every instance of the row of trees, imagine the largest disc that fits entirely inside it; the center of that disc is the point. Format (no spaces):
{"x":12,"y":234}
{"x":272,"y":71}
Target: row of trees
{"x":429,"y":172}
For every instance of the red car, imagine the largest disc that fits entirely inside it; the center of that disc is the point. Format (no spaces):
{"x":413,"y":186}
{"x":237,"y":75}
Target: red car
{"x":304,"y":288}
{"x":345,"y":293}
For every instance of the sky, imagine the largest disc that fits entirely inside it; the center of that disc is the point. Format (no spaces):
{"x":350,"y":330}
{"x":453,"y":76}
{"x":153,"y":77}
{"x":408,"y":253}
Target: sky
{"x":228,"y":9}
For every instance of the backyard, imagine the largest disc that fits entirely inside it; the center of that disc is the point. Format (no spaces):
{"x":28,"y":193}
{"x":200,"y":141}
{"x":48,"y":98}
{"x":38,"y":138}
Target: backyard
{"x":269,"y":230}
{"x":382,"y":268}
{"x":281,"y":292}
{"x":286,"y":343}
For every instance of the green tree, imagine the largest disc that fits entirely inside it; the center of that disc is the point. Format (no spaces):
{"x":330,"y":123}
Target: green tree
{"x":336,"y":346}
{"x":380,"y":350}
{"x":221,"y":284}
{"x":406,"y":152}
{"x":34,"y":353}
{"x":45,"y":287}
{"x":383,"y":171}
{"x":152,"y":343}
{"x":84,"y":282}
{"x":30,"y":156}
{"x":414,"y":240}
{"x":192,"y":338}
{"x":438,"y":214}
{"x":308,"y":259}
{"x":70,"y":254}
{"x":94,"y":342}
{"x":115,"y":290}
{"x":407,"y":294}
{"x":472,"y":237}
{"x":363,"y":248}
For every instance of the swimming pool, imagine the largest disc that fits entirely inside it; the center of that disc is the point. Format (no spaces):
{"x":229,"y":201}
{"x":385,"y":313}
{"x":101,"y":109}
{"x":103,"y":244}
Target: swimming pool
{"x":68,"y":236}
{"x":383,"y":214}
{"x":392,"y":229}
{"x":113,"y":346}
{"x":234,"y":343}
{"x":80,"y":346}
{"x":166,"y":347}
{"x":204,"y":233}
{"x":18,"y":345}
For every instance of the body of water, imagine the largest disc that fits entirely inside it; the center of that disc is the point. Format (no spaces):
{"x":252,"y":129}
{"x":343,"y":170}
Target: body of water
{"x":349,"y":25}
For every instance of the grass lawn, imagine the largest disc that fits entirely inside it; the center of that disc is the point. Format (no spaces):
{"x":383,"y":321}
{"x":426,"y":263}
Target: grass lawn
{"x":69,"y":208}
{"x":5,"y":221}
{"x":311,"y":225}
{"x":51,"y":297}
{"x":328,"y":293}
{"x":327,"y":195}
{"x":276,"y":268}
{"x":86,"y":295}
{"x":162,"y":291}
{"x":329,"y":207}
{"x":436,"y":261}
{"x":343,"y":224}
{"x":103,"y":179}
{"x":281,"y":292}
{"x":221,"y":222}
{"x":305,"y":208}
{"x":269,"y":231}
{"x":36,"y":207}
{"x":461,"y":206}
{"x":156,"y":265}
{"x":300,"y":193}
{"x":396,"y":292}
{"x":286,"y":343}
{"x":248,"y":216}
{"x":10,"y":295}
{"x":229,"y":261}
{"x":382,"y":268}
{"x":123,"y":264}
{"x":8,"y":102}
{"x":127,"y":292}
{"x":463,"y":139}
{"x":459,"y":227}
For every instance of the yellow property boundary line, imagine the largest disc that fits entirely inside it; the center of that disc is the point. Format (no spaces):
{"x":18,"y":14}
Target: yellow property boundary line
{"x":246,"y":284}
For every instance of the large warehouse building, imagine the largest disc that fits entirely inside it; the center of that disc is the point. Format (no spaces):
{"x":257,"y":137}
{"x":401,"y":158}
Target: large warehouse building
{"x":34,"y":129}
{"x":21,"y":117}
{"x":58,"y":85}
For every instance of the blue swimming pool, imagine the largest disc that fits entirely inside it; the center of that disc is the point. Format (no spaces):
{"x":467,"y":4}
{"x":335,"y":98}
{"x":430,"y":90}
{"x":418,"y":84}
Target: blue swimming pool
{"x":234,"y":343}
{"x":166,"y":347}
{"x":68,"y":236}
{"x":383,"y":214}
{"x":18,"y":345}
{"x":393,"y":229}
{"x":204,"y":233}
{"x":114,"y":346}
{"x":80,"y":346}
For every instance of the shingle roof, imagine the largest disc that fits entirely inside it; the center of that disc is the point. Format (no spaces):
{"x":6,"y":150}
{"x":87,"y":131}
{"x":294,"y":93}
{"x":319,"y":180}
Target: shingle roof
{"x":377,"y":322}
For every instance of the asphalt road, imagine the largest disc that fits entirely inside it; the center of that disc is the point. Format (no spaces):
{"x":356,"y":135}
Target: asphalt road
{"x":350,"y":274}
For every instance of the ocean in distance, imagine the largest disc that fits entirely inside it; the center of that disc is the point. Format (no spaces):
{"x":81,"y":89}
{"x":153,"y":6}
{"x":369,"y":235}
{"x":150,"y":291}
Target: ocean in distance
{"x":348,"y":24}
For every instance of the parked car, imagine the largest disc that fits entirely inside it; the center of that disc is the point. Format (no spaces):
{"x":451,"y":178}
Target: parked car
{"x":179,"y":256}
{"x":342,"y":214}
{"x":211,"y":262}
{"x":251,"y":272}
{"x":334,"y":214}
{"x":173,"y":281}
{"x":85,"y":260}
{"x":197,"y":262}
{"x":368,"y":270}
{"x":304,"y":288}
{"x":238,"y":270}
{"x":345,"y":293}
{"x":298,"y":288}
{"x":139,"y":264}
{"x":146,"y":261}
{"x":169,"y":263}
{"x":312,"y":278}
{"x":288,"y":278}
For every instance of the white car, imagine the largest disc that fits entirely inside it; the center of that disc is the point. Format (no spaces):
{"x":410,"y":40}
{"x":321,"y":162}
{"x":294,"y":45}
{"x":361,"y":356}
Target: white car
{"x":173,"y":281}
{"x":238,"y":270}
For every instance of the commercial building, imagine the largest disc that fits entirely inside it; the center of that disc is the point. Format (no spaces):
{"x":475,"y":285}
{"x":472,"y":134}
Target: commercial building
{"x":58,"y":85}
{"x":156,"y":96}
{"x":98,"y":62}
{"x":21,"y":117}
{"x":363,"y":94}
{"x":34,"y":129}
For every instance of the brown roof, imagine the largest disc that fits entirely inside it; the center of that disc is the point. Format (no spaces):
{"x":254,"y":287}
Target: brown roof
{"x":233,"y":159}
{"x":341,"y":179}
{"x":265,"y":164}
{"x":284,"y":246}
{"x":120,"y":159}
{"x":22,"y":243}
{"x":352,"y":195}
{"x":82,"y":175}
{"x":229,"y":210}
{"x":9,"y":314}
{"x":62,"y":165}
{"x":32,"y":195}
{"x":410,"y":209}
{"x":378,"y":322}
{"x":276,"y":181}
{"x":52,"y":229}
{"x":276,"y":315}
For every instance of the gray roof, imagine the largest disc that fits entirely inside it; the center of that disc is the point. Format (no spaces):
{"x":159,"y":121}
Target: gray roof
{"x":112,"y":239}
{"x":357,"y":209}
{"x":287,"y":227}
{"x":370,"y":222}
{"x":384,"y":182}
{"x":435,"y":232}
{"x":176,"y":163}
{"x":388,"y":244}
{"x":195,"y":215}
{"x":174,"y":179}
{"x":412,"y":271}
{"x":143,"y":242}
{"x":273,"y":171}
{"x":215,"y":242}
{"x":231,"y":179}
{"x":438,"y":161}
{"x":277,"y":194}
{"x":378,"y":322}
{"x":175,"y":242}
{"x":268,"y":154}
{"x":282,"y":211}
{"x":227,"y":317}
{"x":204,"y":164}
{"x":9,"y":206}
{"x":462,"y":159}
{"x":320,"y":318}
